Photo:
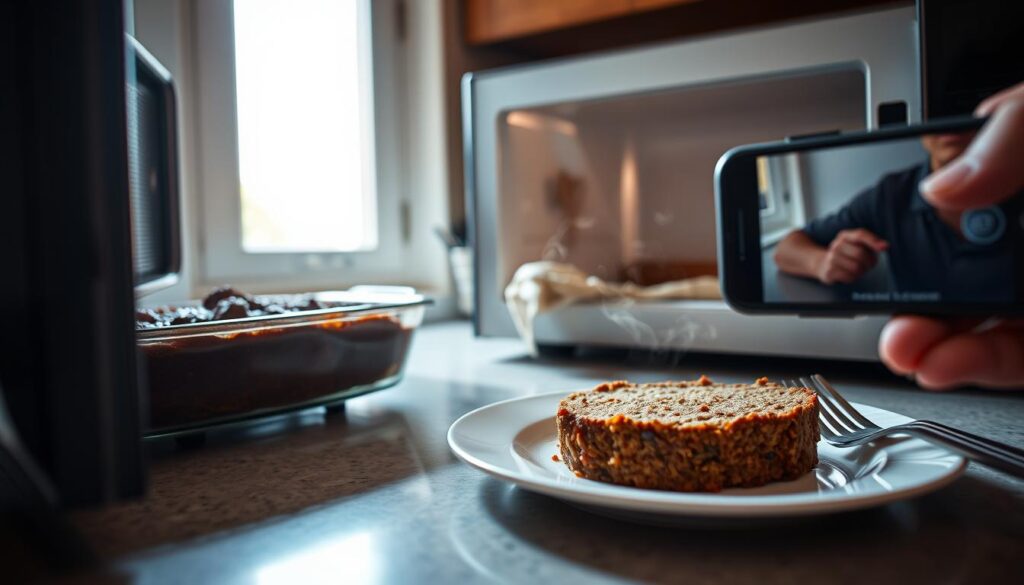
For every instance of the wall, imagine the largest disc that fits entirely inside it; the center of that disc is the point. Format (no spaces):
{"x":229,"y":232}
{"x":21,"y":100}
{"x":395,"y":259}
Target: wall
{"x":831,"y":177}
{"x":460,"y":58}
{"x":426,"y":173}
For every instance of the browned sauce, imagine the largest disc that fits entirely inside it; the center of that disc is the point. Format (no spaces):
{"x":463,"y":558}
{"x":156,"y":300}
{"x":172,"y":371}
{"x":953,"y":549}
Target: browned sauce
{"x":228,"y":303}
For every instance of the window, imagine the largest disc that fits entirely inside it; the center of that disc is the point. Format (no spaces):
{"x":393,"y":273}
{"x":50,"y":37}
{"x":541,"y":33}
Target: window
{"x":298,"y":122}
{"x":301,"y":119}
{"x":781,"y":199}
{"x":764,"y":190}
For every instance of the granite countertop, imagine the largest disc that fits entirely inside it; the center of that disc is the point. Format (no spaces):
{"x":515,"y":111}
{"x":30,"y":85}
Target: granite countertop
{"x":373,"y":494}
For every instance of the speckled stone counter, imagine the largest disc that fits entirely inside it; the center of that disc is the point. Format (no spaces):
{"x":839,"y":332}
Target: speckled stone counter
{"x":374,"y":494}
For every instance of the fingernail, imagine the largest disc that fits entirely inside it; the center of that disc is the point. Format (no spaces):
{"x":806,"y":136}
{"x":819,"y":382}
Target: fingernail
{"x":947,"y":179}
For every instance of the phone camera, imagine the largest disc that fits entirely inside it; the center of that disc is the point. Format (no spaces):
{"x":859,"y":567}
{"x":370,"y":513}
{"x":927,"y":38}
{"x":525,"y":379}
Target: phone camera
{"x":983,"y":226}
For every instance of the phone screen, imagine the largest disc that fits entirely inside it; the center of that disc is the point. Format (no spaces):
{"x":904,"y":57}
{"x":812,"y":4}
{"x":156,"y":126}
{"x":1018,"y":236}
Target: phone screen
{"x":848,"y":225}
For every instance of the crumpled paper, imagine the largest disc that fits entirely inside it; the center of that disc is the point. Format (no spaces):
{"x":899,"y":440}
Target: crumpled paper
{"x":539,"y":287}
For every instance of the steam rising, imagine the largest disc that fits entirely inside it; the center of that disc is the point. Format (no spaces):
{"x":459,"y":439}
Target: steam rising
{"x":669,"y":343}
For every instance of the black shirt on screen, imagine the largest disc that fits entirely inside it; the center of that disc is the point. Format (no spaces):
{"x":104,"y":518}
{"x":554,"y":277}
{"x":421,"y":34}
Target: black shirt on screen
{"x":925,"y":255}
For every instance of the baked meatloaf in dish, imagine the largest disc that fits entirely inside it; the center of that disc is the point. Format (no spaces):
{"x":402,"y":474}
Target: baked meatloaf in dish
{"x":690,"y":436}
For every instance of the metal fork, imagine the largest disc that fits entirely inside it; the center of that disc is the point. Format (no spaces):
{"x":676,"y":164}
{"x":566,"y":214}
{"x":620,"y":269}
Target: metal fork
{"x":843,"y":426}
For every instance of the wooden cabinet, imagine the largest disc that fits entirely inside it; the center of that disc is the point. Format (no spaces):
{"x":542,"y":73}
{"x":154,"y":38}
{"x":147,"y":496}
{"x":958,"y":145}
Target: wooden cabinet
{"x":649,"y":4}
{"x":489,"y":21}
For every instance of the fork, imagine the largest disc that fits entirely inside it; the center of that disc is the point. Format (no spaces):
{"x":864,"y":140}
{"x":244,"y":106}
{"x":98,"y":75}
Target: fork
{"x":842,"y":425}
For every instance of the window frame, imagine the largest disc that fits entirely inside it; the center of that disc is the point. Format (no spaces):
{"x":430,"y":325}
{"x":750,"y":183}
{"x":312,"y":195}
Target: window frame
{"x":221,"y":254}
{"x":781,"y":217}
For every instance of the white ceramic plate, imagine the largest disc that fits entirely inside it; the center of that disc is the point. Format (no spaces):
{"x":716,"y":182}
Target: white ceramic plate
{"x":515,"y":439}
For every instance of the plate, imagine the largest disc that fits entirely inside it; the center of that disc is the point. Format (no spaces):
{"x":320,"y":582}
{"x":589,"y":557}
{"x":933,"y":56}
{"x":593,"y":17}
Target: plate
{"x":515,"y":439}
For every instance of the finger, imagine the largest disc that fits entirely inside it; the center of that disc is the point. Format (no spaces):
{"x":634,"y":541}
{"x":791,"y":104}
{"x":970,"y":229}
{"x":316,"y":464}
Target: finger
{"x":1011,"y":324}
{"x":991,"y":358}
{"x":989,"y":171}
{"x":835,"y":274}
{"x":845,"y":264}
{"x":866,"y":238}
{"x":864,"y":257}
{"x":990,"y":104}
{"x":905,"y":340}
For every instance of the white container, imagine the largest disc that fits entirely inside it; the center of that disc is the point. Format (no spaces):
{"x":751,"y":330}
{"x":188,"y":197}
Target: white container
{"x":461,"y":259}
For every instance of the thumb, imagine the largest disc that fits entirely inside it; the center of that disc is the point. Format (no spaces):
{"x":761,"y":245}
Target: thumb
{"x":869,"y":239}
{"x":991,"y":169}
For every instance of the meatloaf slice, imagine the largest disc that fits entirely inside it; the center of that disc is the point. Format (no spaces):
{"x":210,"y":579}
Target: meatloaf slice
{"x":689,"y":436}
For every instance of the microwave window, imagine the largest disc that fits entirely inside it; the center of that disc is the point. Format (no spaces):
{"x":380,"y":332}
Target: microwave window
{"x":623,"y":187}
{"x":147,"y":144}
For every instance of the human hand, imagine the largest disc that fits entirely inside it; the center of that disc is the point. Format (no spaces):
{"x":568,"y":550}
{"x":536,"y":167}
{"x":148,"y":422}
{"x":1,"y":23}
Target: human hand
{"x":991,"y":169}
{"x":850,"y":255}
{"x":945,"y":353}
{"x":940,"y":353}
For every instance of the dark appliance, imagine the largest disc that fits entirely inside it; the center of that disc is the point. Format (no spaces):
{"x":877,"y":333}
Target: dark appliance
{"x":970,"y":49}
{"x":89,"y":172}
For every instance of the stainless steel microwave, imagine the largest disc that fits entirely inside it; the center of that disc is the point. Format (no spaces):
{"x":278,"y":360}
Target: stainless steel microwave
{"x":637,"y":134}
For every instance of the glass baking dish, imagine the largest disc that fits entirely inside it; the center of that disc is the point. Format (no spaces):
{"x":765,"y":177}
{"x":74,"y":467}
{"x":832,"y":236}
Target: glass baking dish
{"x":202,"y":374}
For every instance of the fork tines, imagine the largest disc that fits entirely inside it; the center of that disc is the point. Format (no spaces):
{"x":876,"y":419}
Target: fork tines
{"x":842,"y":425}
{"x":836,"y":416}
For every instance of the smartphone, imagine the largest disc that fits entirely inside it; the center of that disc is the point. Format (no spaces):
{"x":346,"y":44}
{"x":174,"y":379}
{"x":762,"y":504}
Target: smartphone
{"x":834,"y":225}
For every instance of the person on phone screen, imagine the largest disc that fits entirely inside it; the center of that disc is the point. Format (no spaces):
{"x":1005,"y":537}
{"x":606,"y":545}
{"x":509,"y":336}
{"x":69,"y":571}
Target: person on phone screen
{"x":929,"y":257}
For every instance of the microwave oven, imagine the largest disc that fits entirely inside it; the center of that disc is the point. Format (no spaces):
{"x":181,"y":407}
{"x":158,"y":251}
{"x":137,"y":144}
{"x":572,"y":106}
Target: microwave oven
{"x":89,"y":224}
{"x":636,"y":134}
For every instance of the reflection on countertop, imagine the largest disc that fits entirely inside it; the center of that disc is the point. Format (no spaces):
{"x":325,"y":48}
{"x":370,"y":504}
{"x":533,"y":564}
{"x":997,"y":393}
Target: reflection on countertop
{"x":373,"y":494}
{"x":258,"y":474}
